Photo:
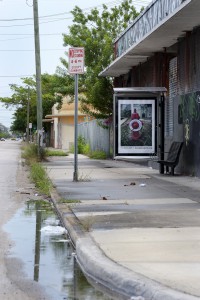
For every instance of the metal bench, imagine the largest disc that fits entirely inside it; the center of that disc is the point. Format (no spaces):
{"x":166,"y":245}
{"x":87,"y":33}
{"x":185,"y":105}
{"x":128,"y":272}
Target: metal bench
{"x":173,"y":157}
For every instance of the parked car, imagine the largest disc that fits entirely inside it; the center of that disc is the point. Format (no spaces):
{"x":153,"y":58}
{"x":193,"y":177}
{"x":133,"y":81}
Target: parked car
{"x":2,"y":139}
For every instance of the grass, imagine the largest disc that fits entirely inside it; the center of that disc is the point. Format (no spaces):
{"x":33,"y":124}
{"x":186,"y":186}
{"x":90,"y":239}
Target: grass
{"x":84,"y":177}
{"x":68,"y":201}
{"x":31,"y":154}
{"x":98,"y":154}
{"x":87,"y":222}
{"x":37,"y":172}
{"x":40,"y":178}
{"x":55,"y":152}
{"x":84,"y":148}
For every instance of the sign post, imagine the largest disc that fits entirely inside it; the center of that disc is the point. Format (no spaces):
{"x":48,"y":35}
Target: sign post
{"x":76,"y":66}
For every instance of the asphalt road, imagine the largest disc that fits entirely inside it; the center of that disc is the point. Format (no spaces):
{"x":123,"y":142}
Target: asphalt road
{"x":13,"y":179}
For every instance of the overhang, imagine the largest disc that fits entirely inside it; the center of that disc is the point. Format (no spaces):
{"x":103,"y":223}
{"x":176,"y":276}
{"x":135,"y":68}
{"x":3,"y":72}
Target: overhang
{"x":47,"y":120}
{"x":64,"y":114}
{"x":130,"y":90}
{"x":163,"y":36}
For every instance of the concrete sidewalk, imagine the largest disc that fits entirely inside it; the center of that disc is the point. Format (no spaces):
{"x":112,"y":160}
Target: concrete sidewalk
{"x":136,"y":232}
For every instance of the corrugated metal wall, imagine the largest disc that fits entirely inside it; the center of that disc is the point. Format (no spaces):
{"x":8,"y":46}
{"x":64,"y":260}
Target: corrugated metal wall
{"x":169,"y":104}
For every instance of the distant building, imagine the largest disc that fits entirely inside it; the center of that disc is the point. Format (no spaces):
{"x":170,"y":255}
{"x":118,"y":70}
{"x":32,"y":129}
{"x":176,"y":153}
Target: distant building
{"x":62,"y":124}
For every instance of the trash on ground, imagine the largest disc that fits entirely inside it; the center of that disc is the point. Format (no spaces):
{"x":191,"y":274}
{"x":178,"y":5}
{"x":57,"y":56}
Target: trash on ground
{"x":53,"y":230}
{"x":132,"y":183}
{"x":142,"y":184}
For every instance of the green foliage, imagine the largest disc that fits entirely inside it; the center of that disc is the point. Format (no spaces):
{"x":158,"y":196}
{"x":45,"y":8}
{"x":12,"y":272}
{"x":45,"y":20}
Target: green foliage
{"x":68,"y":201}
{"x":37,"y":172}
{"x":55,"y":152}
{"x":98,"y":154}
{"x":51,"y":85}
{"x":96,"y":32}
{"x":83,"y":147}
{"x":40,"y":178}
{"x":4,"y":135}
{"x":30,"y":153}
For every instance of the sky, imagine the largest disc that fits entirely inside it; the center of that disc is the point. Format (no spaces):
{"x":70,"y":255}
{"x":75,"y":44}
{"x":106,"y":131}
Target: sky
{"x":17,"y":56}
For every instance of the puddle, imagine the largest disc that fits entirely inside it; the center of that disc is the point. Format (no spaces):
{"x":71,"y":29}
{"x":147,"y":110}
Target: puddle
{"x":48,"y":254}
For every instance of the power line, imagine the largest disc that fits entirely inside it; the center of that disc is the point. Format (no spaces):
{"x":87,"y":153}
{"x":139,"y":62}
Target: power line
{"x":10,"y":76}
{"x":55,"y":15}
{"x":31,"y":34}
{"x":61,"y":14}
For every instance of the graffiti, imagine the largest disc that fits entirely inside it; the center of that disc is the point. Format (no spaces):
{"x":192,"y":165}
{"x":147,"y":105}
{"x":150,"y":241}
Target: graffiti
{"x":152,"y":16}
{"x":190,"y":107}
{"x":187,"y":132}
{"x":190,"y":114}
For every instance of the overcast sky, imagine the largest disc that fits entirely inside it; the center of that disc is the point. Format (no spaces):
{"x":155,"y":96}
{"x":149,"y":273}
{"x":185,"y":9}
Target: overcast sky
{"x":17,"y":58}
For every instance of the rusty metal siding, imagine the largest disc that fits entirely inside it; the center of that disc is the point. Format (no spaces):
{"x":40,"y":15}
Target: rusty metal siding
{"x":189,"y":63}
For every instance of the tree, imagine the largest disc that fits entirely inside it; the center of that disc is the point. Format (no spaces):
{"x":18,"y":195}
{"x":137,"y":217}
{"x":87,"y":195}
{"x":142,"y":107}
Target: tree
{"x":96,"y":32}
{"x":51,"y":84}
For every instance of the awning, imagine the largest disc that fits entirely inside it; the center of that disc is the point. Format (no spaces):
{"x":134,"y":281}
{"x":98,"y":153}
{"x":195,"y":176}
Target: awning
{"x":166,"y":34}
{"x":69,"y":113}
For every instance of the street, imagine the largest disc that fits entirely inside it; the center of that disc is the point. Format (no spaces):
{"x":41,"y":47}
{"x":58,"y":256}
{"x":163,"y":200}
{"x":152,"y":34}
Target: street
{"x":13,"y":283}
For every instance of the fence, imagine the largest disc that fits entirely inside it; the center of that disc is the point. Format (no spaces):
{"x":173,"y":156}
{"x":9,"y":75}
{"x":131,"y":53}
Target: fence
{"x":95,"y":135}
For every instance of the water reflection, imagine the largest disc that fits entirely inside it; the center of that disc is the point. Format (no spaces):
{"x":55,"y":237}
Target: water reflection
{"x":48,"y":254}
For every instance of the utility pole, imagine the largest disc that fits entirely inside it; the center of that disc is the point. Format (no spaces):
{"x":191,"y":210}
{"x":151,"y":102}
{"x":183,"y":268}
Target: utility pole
{"x":38,"y":74}
{"x":28,"y":111}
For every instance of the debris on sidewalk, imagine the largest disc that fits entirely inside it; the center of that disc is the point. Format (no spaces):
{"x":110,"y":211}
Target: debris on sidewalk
{"x":132,"y":183}
{"x":142,"y":184}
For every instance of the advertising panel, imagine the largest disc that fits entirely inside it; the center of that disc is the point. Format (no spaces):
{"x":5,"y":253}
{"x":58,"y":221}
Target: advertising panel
{"x":136,"y":126}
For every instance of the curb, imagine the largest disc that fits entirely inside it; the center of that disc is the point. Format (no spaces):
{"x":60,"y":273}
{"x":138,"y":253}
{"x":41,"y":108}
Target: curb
{"x":107,"y":274}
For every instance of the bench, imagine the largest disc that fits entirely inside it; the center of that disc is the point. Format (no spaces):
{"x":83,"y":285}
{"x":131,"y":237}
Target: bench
{"x":173,"y":157}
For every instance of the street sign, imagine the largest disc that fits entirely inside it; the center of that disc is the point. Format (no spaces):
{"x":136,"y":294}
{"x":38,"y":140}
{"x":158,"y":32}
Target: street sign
{"x":30,"y":126}
{"x":76,"y":60}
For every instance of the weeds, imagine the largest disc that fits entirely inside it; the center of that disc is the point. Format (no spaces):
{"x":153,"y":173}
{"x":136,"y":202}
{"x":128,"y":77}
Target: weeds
{"x":87,"y":222}
{"x":68,"y":201}
{"x":98,"y":154}
{"x":40,"y":178}
{"x":84,"y":177}
{"x":84,"y":148}
{"x":56,"y":152}
{"x":31,"y":153}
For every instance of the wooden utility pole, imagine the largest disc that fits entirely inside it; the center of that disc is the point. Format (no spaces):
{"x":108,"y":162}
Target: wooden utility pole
{"x":38,"y":74}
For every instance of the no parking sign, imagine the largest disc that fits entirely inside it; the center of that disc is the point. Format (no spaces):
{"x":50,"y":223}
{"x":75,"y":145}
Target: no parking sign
{"x":76,"y":60}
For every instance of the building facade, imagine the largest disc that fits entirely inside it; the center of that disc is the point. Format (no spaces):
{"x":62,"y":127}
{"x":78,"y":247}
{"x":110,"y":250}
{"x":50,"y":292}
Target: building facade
{"x":161,"y":49}
{"x":62,"y":121}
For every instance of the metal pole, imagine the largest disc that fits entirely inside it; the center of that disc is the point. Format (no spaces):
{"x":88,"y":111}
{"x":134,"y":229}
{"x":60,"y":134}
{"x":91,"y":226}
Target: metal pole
{"x":162,"y":131}
{"x":28,"y":109}
{"x":38,"y":72}
{"x":76,"y":131}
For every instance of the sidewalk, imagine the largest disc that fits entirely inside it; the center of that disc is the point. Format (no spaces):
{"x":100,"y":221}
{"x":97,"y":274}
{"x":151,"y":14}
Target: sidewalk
{"x":142,"y":229}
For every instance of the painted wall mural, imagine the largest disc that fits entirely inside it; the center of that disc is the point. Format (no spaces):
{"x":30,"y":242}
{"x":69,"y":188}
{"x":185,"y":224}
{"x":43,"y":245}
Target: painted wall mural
{"x":190,"y":115}
{"x":155,"y":14}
